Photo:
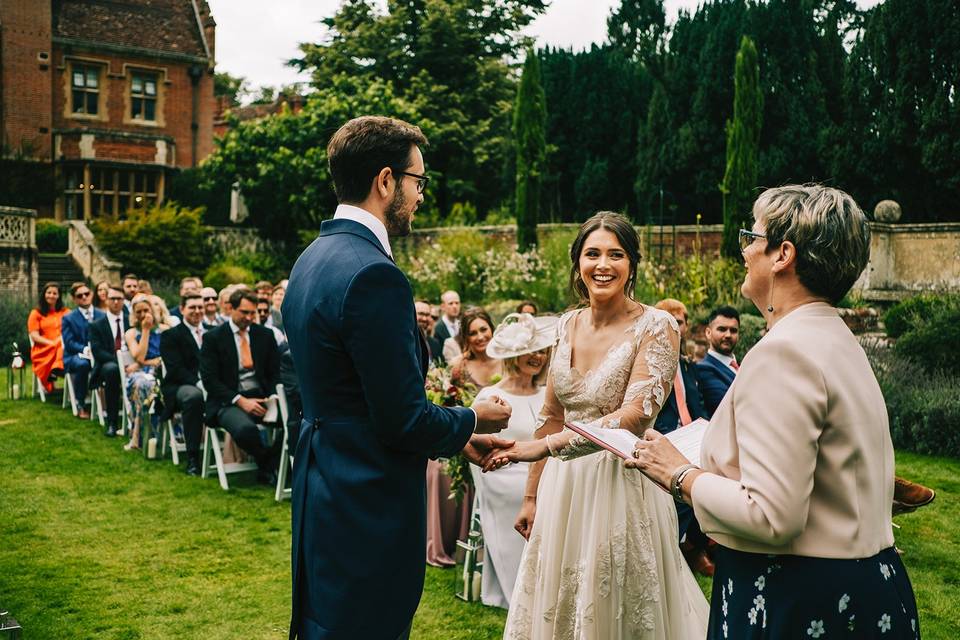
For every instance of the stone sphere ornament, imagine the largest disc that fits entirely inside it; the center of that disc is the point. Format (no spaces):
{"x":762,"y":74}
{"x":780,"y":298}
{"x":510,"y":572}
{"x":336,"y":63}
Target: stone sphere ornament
{"x":887,"y":211}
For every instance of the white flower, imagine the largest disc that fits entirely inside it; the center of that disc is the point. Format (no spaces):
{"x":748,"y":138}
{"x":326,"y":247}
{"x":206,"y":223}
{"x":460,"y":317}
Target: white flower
{"x":724,"y":608}
{"x":884,"y":623}
{"x":730,"y":585}
{"x":885,"y":570}
{"x":913,"y":624}
{"x":760,"y":583}
{"x":752,"y":614}
{"x":816,"y":629}
{"x":759,"y":602}
{"x":844,"y":601}
{"x":724,"y":628}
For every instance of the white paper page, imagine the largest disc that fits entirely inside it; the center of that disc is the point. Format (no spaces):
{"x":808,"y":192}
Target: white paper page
{"x":619,"y":439}
{"x":688,"y":439}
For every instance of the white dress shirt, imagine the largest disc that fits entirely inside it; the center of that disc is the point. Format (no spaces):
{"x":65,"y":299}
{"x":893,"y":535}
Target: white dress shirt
{"x":727,"y":360}
{"x":194,"y":329}
{"x":367,"y":219}
{"x":112,"y":320}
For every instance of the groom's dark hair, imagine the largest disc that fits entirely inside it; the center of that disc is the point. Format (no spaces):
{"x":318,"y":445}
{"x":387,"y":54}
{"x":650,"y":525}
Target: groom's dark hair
{"x":363,"y":147}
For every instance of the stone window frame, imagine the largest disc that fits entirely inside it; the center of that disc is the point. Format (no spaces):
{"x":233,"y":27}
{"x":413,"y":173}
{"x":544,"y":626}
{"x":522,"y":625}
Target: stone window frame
{"x":103,"y":65}
{"x":110,"y":188}
{"x":161,"y":73}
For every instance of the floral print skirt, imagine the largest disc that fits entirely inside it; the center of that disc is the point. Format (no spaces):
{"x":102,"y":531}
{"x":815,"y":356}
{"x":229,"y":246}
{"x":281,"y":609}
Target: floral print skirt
{"x":767,"y":596}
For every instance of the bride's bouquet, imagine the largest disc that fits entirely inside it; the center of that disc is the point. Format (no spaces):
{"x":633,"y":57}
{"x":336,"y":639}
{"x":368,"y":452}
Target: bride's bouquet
{"x":449,"y":390}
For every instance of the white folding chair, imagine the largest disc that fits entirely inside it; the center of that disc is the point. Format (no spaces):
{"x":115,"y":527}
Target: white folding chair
{"x":168,"y":436}
{"x":97,"y":401}
{"x":38,"y":389}
{"x":213,"y":455}
{"x":69,"y":395}
{"x":286,"y":454}
{"x":123,"y":359}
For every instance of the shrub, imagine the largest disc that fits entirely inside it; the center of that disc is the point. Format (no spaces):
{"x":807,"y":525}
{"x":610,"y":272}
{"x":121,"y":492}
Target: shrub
{"x":221,"y":274}
{"x":751,"y":330}
{"x":52,"y":237}
{"x":13,"y":327}
{"x":906,"y":315}
{"x":932,"y":339}
{"x":923,"y":407}
{"x":165,"y":242}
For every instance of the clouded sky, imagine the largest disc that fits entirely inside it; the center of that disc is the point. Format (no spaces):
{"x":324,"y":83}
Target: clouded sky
{"x":255,"y":43}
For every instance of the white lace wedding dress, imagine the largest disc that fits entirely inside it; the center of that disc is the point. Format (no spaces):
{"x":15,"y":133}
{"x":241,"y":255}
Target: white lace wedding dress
{"x":602,"y":561}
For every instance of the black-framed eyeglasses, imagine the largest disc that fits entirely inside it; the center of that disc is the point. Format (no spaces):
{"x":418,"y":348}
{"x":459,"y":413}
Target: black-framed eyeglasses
{"x":421,"y":180}
{"x":747,"y":237}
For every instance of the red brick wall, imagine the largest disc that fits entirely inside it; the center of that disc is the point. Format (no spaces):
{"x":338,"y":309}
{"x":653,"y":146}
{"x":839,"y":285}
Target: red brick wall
{"x":174,"y":109}
{"x":26,"y":92}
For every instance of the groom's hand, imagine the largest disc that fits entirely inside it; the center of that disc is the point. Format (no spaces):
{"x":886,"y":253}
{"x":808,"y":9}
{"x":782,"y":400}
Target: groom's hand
{"x":481,"y":445}
{"x":492,"y":414}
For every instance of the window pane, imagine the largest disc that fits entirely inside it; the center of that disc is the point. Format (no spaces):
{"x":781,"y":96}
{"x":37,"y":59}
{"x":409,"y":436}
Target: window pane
{"x":136,"y":105}
{"x":125,"y":181}
{"x":92,"y":103}
{"x":92,"y":78}
{"x":136,"y":85}
{"x":151,"y":183}
{"x":150,"y":108}
{"x":78,"y":101}
{"x":138,"y":182}
{"x":78,"y":78}
{"x":150,"y":87}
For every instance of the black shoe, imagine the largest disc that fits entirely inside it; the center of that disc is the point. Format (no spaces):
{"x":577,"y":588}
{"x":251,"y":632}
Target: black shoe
{"x":193,"y":465}
{"x":111,"y":431}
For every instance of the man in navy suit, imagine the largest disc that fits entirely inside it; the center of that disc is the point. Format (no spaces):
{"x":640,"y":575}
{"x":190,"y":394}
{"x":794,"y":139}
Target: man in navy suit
{"x":359,"y":496}
{"x":718,"y":369}
{"x":74,"y":329}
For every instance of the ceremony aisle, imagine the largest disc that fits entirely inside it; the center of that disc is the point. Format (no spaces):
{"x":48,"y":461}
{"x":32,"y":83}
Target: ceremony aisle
{"x":98,"y":543}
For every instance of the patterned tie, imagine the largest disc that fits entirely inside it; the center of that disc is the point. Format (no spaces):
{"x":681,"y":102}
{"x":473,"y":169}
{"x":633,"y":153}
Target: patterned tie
{"x":117,"y":345}
{"x":681,"y":397}
{"x":246,"y":358}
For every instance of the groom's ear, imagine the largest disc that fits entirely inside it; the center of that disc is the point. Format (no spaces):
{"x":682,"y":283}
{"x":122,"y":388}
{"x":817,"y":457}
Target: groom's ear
{"x":382,"y":182}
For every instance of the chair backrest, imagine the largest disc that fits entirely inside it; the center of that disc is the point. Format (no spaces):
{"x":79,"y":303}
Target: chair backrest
{"x":282,"y":405}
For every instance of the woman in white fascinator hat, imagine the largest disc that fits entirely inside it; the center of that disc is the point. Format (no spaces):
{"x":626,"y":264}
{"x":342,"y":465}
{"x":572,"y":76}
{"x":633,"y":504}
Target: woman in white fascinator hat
{"x":524,"y":343}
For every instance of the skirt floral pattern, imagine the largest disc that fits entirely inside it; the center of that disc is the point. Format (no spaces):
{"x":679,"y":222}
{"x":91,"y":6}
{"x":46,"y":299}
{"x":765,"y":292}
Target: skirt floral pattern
{"x":765,"y":596}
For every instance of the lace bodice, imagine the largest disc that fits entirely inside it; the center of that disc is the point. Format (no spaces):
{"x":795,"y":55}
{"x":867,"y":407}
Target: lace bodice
{"x":626,"y":390}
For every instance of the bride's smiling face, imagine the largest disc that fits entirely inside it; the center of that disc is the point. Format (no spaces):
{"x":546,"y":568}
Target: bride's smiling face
{"x":604,"y":265}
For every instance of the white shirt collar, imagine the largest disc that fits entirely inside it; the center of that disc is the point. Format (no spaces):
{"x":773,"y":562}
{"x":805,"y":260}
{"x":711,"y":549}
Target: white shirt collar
{"x":233,"y":327}
{"x":114,"y":317}
{"x":722,"y":358}
{"x":367,"y":219}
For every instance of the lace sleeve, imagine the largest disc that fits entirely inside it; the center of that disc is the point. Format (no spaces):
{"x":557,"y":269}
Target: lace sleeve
{"x":649,"y":384}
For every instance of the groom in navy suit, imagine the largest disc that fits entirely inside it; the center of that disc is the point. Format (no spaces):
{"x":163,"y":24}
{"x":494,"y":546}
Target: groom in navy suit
{"x":359,"y":498}
{"x":718,"y":369}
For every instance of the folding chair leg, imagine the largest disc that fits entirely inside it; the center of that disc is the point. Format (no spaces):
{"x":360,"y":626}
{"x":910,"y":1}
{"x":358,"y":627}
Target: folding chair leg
{"x":281,"y":491}
{"x":173,"y":443}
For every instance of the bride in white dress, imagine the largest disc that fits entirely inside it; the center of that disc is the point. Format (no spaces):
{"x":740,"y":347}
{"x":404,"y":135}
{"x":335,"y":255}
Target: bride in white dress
{"x":602,"y":560}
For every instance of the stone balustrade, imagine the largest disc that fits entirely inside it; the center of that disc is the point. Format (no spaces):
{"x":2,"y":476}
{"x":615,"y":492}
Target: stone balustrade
{"x":84,"y":250}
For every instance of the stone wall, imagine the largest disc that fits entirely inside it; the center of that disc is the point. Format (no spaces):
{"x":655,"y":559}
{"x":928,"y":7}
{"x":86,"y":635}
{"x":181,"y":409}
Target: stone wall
{"x":18,"y":252}
{"x":910,"y":258}
{"x":231,"y":240}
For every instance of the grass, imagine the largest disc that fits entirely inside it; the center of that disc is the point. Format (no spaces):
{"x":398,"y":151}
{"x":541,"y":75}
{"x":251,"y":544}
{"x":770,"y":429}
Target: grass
{"x":98,"y":543}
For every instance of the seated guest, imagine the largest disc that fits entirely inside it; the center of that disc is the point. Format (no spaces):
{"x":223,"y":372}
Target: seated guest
{"x":264,"y":290}
{"x":180,"y":350}
{"x":75,"y":337}
{"x":190,"y":284}
{"x":226,"y":310}
{"x":276,"y":299}
{"x":718,"y":369}
{"x":143,"y":287}
{"x":240,"y":368}
{"x":211,"y":310}
{"x":161,"y":315}
{"x":263,"y":319}
{"x":527,"y":306}
{"x":426,"y":323}
{"x":683,"y":406}
{"x":43,"y":323}
{"x":106,"y":338}
{"x":143,"y":343}
{"x":100,"y":293}
{"x":131,"y":287}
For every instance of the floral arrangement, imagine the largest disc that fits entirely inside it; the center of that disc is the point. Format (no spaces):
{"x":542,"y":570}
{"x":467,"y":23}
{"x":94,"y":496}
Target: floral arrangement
{"x":448,"y":389}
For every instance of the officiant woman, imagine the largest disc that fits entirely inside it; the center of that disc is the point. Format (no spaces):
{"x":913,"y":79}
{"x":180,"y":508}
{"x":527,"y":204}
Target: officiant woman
{"x":795,"y":478}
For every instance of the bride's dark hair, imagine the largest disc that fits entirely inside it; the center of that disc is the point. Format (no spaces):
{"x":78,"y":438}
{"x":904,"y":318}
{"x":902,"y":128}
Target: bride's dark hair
{"x":619,"y":226}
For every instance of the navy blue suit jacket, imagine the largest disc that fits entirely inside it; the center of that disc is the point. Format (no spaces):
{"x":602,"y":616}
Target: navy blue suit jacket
{"x":359,"y":496}
{"x":74,"y":329}
{"x":669,"y":415}
{"x":715,"y":379}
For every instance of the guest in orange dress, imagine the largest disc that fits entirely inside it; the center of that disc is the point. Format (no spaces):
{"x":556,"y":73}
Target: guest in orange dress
{"x":46,"y":354}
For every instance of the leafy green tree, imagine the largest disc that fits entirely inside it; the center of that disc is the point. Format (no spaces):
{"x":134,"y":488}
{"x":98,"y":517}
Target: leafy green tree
{"x":230,"y":87}
{"x":529,"y":122}
{"x":743,"y":137}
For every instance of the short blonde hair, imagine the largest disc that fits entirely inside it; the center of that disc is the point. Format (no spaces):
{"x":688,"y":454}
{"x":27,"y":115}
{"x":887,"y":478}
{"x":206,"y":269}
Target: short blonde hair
{"x":511,"y":367}
{"x":829,"y":230}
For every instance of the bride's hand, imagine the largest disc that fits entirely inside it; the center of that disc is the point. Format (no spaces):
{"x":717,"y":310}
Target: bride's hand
{"x":529,"y":451}
{"x":524,"y":523}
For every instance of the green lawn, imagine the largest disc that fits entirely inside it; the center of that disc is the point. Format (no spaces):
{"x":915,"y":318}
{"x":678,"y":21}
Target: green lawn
{"x":98,"y":543}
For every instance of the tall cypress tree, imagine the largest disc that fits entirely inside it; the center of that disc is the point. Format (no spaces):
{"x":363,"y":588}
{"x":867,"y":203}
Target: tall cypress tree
{"x":529,"y":125}
{"x":743,"y":142}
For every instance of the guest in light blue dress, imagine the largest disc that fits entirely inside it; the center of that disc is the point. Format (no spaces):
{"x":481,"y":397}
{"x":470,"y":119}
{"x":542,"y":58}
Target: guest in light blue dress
{"x":143,"y":343}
